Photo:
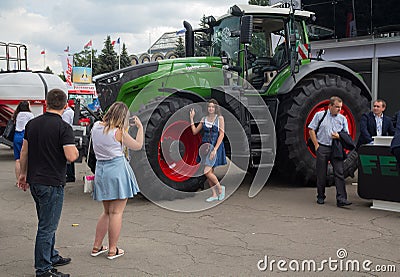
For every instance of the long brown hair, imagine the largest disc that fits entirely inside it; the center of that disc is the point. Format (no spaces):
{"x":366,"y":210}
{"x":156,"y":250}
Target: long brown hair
{"x":216,"y":105}
{"x":23,"y":106}
{"x":116,"y":117}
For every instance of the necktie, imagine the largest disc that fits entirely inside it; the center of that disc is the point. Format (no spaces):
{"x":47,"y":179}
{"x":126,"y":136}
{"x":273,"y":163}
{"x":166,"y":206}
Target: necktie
{"x":379,"y":127}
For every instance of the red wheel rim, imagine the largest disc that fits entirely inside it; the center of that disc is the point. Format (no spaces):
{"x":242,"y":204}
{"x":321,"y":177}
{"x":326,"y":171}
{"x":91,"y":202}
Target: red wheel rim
{"x":345,"y":111}
{"x":186,"y":167}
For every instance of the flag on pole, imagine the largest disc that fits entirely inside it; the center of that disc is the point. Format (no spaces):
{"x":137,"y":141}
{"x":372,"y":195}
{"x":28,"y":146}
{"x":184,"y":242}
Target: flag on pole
{"x":118,"y":41}
{"x":89,"y":44}
{"x":43,"y":52}
{"x":180,"y":32}
{"x":115,"y":42}
{"x":66,"y":49}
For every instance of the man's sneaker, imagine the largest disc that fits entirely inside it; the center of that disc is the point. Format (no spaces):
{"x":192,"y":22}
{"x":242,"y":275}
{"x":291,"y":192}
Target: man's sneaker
{"x":53,"y":273}
{"x":342,"y":203}
{"x":62,"y":261}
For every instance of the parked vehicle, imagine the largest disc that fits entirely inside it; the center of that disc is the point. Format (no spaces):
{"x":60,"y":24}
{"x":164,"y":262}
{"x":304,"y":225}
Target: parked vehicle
{"x":17,"y":83}
{"x":281,"y":90}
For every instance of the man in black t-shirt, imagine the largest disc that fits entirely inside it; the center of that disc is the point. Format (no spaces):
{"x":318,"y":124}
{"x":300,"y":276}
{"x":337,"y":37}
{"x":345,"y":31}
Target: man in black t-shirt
{"x":48,"y":145}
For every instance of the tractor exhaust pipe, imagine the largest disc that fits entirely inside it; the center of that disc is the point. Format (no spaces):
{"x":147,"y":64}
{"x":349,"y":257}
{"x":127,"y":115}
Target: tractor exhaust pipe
{"x":189,"y":39}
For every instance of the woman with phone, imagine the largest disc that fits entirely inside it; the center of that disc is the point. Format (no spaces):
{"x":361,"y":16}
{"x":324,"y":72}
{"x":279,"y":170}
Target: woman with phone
{"x":114,"y":180}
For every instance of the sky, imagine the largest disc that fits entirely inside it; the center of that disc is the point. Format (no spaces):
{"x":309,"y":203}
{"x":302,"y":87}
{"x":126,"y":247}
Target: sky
{"x":52,"y":25}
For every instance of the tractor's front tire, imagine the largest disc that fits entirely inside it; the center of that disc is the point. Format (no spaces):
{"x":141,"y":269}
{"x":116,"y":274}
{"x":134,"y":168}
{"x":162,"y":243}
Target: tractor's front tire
{"x":149,"y":164}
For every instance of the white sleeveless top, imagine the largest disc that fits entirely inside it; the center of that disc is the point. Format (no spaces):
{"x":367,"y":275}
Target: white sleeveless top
{"x":105,"y":146}
{"x":209,"y":124}
{"x":22,"y":119}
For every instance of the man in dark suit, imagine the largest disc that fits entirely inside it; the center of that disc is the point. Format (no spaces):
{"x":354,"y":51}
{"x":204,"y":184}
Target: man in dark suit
{"x":375,"y":123}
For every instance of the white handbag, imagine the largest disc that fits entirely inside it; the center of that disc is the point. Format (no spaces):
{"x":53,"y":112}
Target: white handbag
{"x":89,"y":180}
{"x":88,"y":185}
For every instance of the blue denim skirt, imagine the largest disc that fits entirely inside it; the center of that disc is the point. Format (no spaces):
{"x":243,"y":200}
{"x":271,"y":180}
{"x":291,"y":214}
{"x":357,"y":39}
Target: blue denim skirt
{"x":114,"y":179}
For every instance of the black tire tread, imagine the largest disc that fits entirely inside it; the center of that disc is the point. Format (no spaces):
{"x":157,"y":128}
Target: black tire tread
{"x":154,"y":123}
{"x":294,"y":159}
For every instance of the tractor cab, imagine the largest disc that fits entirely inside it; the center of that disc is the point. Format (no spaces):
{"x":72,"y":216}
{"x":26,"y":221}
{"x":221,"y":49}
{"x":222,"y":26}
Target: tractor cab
{"x":275,"y":35}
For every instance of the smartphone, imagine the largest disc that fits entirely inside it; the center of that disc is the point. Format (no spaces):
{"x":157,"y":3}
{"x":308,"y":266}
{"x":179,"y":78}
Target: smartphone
{"x":132,"y":121}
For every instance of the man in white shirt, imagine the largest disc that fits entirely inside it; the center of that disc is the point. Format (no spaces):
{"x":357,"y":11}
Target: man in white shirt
{"x":330,"y":126}
{"x":68,"y":116}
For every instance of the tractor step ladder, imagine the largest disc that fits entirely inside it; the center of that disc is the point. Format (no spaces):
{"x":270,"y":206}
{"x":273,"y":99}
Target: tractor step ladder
{"x":261,"y":142}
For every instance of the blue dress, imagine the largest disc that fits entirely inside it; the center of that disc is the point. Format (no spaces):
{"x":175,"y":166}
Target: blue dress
{"x":210,"y":135}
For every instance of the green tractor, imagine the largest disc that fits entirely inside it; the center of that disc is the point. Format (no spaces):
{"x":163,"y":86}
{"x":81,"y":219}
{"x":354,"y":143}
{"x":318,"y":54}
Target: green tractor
{"x":261,"y":73}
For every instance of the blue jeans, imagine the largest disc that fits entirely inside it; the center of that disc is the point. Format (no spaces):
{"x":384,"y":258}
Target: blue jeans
{"x":49,"y":201}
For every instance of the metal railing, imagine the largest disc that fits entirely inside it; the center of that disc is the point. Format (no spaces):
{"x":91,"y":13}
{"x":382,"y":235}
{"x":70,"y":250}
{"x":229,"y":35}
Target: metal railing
{"x":13,"y":56}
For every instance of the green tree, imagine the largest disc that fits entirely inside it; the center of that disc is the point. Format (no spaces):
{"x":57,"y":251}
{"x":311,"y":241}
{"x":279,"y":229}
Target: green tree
{"x":107,"y":60}
{"x":83,"y":59}
{"x":95,"y":69}
{"x":259,"y":2}
{"x":125,"y":61}
{"x":200,"y":51}
{"x":180,"y":48}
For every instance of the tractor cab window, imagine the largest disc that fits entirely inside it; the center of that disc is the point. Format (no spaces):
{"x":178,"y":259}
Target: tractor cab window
{"x":268,"y":52}
{"x":298,"y":28}
{"x":301,"y":42}
{"x":223,"y":40}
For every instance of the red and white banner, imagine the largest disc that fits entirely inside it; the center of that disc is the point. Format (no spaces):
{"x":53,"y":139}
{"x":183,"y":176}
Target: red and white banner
{"x":83,"y":89}
{"x":67,"y":62}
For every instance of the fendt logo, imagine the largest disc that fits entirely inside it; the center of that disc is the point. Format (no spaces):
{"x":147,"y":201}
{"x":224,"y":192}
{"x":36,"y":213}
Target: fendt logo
{"x":296,"y":4}
{"x":380,"y":165}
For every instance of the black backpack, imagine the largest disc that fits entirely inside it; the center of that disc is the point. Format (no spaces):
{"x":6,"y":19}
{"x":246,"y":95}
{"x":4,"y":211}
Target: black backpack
{"x":9,"y":131}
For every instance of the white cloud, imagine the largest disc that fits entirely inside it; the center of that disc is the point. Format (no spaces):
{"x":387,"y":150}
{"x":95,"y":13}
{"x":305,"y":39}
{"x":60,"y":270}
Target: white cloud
{"x":53,"y":25}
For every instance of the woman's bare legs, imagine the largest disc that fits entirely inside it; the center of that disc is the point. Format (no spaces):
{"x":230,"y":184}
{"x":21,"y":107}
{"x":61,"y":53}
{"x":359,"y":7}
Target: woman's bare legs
{"x":116,"y":209}
{"x":102,"y":226}
{"x":212,"y":180}
{"x":17,"y":168}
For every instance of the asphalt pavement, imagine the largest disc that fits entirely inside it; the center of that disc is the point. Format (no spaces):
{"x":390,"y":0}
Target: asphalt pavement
{"x":280,"y":232}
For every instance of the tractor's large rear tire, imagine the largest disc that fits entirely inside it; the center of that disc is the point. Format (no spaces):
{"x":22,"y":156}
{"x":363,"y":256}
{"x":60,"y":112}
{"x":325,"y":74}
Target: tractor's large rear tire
{"x":149,"y":165}
{"x":296,"y":110}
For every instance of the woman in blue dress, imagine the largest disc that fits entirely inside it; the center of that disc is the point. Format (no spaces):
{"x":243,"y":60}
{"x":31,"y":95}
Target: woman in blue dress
{"x":114,"y":181}
{"x":21,"y":117}
{"x":212,"y":150}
